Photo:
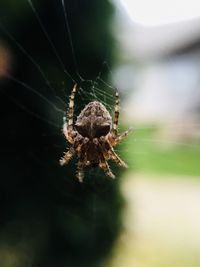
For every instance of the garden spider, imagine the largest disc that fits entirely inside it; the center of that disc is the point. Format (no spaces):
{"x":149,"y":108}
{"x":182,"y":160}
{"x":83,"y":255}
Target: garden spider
{"x":94,"y":137}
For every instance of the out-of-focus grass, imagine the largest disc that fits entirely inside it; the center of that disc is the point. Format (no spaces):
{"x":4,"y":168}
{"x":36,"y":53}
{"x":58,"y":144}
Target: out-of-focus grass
{"x":161,"y":222}
{"x":144,"y":150}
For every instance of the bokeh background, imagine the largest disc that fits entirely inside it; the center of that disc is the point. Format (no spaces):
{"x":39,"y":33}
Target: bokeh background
{"x":148,"y":216}
{"x":159,"y":69}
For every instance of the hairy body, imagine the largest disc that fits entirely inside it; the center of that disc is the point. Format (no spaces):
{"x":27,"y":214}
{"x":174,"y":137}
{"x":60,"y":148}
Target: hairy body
{"x":94,"y":136}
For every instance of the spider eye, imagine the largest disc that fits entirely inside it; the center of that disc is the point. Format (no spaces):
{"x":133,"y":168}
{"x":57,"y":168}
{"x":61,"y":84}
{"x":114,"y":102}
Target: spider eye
{"x":102,"y":130}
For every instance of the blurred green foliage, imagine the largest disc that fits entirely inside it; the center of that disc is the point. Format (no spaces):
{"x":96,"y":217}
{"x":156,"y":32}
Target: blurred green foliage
{"x":148,"y":152}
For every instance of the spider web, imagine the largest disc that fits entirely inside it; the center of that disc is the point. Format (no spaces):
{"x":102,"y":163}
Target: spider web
{"x":56,"y":103}
{"x":89,"y":90}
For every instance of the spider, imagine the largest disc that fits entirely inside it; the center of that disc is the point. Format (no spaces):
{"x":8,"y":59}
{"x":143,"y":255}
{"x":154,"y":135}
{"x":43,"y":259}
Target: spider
{"x":94,"y":137}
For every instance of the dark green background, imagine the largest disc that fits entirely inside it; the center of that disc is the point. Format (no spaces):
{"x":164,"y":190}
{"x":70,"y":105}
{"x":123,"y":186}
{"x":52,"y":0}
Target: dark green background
{"x":47,"y":217}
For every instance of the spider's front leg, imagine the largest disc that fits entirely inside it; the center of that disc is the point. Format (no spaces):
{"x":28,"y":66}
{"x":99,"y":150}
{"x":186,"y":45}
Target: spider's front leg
{"x":68,"y":131}
{"x":116,"y":115}
{"x":71,"y":139}
{"x":68,"y":126}
{"x":113,"y":138}
{"x":69,"y":135}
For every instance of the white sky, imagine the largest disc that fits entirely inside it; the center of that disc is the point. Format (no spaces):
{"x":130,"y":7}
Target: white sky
{"x":158,"y":12}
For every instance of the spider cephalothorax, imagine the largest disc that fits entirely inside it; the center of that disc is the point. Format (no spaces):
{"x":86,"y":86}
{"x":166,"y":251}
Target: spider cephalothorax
{"x":94,"y":137}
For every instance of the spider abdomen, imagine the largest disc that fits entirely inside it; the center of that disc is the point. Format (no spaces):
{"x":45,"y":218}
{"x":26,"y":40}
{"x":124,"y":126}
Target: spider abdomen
{"x":93,"y":154}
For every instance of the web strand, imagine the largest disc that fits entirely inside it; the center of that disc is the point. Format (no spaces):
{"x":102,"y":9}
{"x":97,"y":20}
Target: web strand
{"x":28,"y":87}
{"x":32,"y":60}
{"x":50,"y":41}
{"x":70,"y":40}
{"x":95,"y":94}
{"x":23,"y":107}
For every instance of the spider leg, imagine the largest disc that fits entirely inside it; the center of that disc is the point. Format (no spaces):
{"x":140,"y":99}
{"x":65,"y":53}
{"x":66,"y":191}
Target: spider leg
{"x":117,"y":140}
{"x":71,"y":109}
{"x":105,"y":167}
{"x":113,"y":154}
{"x":80,"y":172}
{"x":82,"y":161}
{"x":103,"y":156}
{"x":104,"y":148}
{"x":116,"y":114}
{"x":67,"y":156}
{"x":68,"y":126}
{"x":117,"y":159}
{"x":68,"y":136}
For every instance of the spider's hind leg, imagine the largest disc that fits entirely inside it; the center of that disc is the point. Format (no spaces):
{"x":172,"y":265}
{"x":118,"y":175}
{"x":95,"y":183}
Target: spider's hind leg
{"x":117,"y":159}
{"x":80,"y":172}
{"x":114,"y":155}
{"x":105,"y":167}
{"x":108,"y":152}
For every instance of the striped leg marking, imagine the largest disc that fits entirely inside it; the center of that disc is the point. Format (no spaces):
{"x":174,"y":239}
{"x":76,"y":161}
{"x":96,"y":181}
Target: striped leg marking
{"x":71,"y":109}
{"x":67,"y":156}
{"x":80,"y":172}
{"x":121,"y":137}
{"x":104,"y":166}
{"x":115,"y":157}
{"x":116,"y":114}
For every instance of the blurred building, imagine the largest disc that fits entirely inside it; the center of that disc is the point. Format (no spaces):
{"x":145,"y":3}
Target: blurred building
{"x":162,"y":67}
{"x":160,"y":71}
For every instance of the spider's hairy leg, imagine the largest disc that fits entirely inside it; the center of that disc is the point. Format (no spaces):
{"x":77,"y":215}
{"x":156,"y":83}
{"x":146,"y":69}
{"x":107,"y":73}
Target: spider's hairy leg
{"x":67,"y":156}
{"x":113,"y":154}
{"x":116,"y":114}
{"x":82,"y":162}
{"x":80,"y":172}
{"x":81,"y":149}
{"x":118,"y":139}
{"x":105,"y":167}
{"x":104,"y":148}
{"x":104,"y":156}
{"x":117,"y":159}
{"x":69,"y":138}
{"x":69,"y":125}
